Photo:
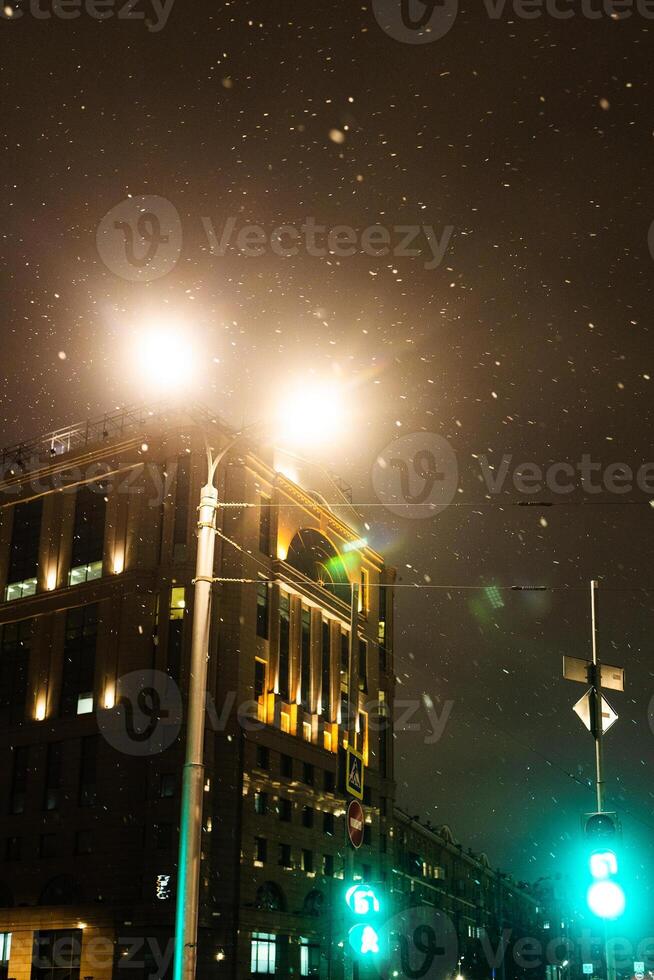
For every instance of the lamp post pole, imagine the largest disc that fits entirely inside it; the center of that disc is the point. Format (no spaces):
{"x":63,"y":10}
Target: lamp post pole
{"x":190,"y":829}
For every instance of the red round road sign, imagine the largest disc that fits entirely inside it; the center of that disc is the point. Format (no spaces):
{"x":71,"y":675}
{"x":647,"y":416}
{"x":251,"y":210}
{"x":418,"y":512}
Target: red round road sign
{"x":355,"y":823}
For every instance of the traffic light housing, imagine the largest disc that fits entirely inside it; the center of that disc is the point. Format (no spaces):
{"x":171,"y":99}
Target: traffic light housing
{"x":364,"y":913}
{"x":605,"y":896}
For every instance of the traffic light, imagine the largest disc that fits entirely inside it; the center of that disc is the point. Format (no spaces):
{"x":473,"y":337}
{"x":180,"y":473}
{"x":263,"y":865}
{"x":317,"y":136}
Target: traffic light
{"x":364,"y":913}
{"x":605,"y":896}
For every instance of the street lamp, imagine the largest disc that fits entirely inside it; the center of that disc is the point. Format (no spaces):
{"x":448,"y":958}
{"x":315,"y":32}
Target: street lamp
{"x":190,"y":830}
{"x":309,"y":414}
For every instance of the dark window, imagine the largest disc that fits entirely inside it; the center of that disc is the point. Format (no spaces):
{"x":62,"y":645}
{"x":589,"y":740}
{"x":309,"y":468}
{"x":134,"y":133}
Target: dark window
{"x":383,"y":843}
{"x":174,"y":652}
{"x":260,"y":849}
{"x":382,"y":635}
{"x":52,"y":775}
{"x":19,"y":779}
{"x":260,"y":803}
{"x":25,"y":538}
{"x":286,"y":765}
{"x":12,"y":849}
{"x":263,"y":757}
{"x":330,"y":781}
{"x":163,"y":836}
{"x":285,"y":855}
{"x":88,"y":530}
{"x":79,"y":661}
{"x":383,"y":749}
{"x":308,"y":773}
{"x":307,"y":860}
{"x":305,"y":681}
{"x":363,"y":666}
{"x":259,"y":679}
{"x":265,"y":511}
{"x":167,"y":785}
{"x":307,"y":816}
{"x":285,"y":810}
{"x":328,"y":824}
{"x":56,"y":954}
{"x":262,"y":609}
{"x":326,"y":694}
{"x":328,"y":865}
{"x":182,"y":497}
{"x":88,"y":771}
{"x":345,"y":711}
{"x":367,"y":834}
{"x":284,"y":645}
{"x":84,"y":842}
{"x":367,"y":795}
{"x":15,"y":643}
{"x":48,"y":846}
{"x":345,"y":655}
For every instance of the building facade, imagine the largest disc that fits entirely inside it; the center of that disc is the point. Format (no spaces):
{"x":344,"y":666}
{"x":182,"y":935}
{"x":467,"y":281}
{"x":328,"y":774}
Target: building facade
{"x":97,"y":556}
{"x":498,"y":922}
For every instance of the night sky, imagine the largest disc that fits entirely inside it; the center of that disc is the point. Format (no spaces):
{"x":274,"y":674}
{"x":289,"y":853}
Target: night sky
{"x":533,"y":139}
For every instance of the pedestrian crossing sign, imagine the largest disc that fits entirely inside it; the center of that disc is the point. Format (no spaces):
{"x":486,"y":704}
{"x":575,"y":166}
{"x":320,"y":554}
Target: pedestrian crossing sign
{"x":354,"y":773}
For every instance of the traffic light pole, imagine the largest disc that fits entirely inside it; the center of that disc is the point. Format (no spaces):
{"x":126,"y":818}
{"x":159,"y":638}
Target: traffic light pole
{"x":596,"y":714}
{"x":351,"y":723}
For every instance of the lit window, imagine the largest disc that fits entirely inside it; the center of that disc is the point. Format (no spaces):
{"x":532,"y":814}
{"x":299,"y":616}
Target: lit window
{"x":285,"y":721}
{"x":327,"y":740}
{"x":85,"y":573}
{"x":20,"y":590}
{"x":24,"y":550}
{"x":263,"y":953}
{"x":5,"y":948}
{"x":85,"y":703}
{"x":177,"y":602}
{"x":309,"y":958}
{"x":260,"y":688}
{"x":364,"y":592}
{"x":306,"y":731}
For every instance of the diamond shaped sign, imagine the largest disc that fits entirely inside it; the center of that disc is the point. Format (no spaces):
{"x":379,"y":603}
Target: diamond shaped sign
{"x":582,"y":708}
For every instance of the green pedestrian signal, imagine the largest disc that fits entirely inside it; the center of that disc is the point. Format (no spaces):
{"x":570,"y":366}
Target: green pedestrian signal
{"x":364,"y":907}
{"x":605,"y":896}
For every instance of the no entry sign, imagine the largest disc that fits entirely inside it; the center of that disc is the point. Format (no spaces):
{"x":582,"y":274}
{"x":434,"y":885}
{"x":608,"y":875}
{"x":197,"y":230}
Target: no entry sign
{"x":355,"y":823}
